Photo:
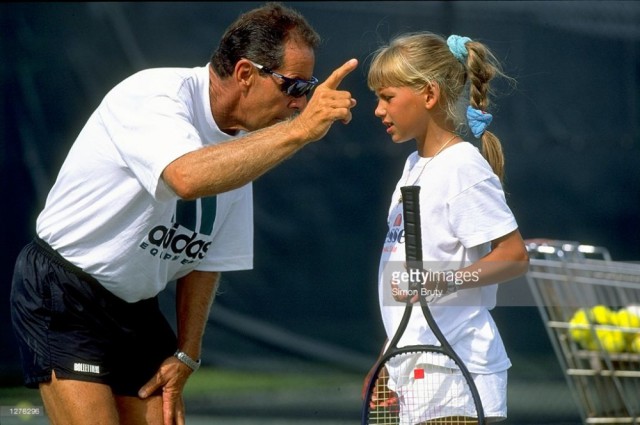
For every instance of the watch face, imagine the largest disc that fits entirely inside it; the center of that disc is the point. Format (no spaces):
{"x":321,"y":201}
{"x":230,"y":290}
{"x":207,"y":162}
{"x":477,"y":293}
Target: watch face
{"x":451,"y":286}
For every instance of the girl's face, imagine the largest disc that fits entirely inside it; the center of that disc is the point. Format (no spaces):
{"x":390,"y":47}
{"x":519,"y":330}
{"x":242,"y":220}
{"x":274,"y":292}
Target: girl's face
{"x":403,"y":112}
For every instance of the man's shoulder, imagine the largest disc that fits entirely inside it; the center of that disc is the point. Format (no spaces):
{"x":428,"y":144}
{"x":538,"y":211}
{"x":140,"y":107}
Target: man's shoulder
{"x":172,"y":82}
{"x":166,"y":74}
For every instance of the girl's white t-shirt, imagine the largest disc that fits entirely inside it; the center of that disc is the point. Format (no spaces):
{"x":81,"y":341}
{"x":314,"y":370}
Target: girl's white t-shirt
{"x":462,"y":209}
{"x":110,"y":212}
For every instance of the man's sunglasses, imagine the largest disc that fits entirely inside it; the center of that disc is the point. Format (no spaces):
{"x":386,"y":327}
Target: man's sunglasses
{"x":294,"y":87}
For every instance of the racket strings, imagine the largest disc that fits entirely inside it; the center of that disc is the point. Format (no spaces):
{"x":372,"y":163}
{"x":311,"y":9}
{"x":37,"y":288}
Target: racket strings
{"x":421,"y":388}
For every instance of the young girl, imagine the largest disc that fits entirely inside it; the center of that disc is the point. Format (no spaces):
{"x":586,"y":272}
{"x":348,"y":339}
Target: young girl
{"x":421,"y":80}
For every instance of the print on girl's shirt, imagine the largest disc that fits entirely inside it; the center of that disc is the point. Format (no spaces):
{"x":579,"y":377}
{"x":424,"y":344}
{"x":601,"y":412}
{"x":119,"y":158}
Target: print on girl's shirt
{"x":395,"y":235}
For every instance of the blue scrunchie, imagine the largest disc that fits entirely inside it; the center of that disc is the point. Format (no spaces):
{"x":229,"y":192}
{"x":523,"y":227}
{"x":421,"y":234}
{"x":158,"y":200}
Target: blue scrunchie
{"x":478,"y":121}
{"x":457,"y":46}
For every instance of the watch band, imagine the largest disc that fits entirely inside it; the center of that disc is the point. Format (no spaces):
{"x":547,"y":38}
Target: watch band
{"x":184,"y":358}
{"x":451,"y":283}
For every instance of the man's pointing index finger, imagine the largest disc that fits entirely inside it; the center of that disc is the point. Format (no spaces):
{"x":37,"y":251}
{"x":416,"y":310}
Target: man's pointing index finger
{"x":338,"y":75}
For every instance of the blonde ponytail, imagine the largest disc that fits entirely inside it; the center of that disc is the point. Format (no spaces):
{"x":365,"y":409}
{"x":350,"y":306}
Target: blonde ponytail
{"x":482,"y":67}
{"x":492,"y":151}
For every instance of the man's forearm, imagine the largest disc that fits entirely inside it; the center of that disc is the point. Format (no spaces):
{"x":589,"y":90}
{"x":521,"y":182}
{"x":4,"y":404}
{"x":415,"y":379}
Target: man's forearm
{"x":226,"y":166}
{"x":195,"y":295}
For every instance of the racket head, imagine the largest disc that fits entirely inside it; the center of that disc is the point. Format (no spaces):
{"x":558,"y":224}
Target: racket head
{"x":416,"y":385}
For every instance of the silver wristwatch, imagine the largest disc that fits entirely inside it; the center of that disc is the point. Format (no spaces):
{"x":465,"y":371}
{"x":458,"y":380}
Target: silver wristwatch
{"x":184,"y":358}
{"x":451,"y":283}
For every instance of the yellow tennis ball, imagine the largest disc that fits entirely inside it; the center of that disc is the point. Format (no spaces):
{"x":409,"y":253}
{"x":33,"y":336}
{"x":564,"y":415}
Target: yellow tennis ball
{"x":579,"y":327}
{"x":591,"y":345}
{"x":626,"y":319}
{"x":601,"y":314}
{"x":612,"y":340}
{"x":24,"y":405}
{"x":634,"y":344}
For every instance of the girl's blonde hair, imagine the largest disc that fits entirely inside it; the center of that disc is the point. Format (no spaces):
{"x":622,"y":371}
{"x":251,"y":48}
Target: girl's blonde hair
{"x":420,"y":59}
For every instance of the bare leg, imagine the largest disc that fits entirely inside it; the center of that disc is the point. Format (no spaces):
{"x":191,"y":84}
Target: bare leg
{"x":70,"y":402}
{"x":137,"y":411}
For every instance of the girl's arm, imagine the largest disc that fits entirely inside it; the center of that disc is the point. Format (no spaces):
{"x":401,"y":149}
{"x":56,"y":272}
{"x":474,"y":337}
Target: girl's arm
{"x":507,"y":260}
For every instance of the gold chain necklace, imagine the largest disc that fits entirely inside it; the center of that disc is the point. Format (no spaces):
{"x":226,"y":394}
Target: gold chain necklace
{"x":425,"y":165}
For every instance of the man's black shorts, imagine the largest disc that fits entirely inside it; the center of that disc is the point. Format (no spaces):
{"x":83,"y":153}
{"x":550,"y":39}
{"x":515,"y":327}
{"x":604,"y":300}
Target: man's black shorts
{"x":64,"y":320}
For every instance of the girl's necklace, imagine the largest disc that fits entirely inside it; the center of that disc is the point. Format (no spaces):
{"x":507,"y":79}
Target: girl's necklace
{"x":425,"y":165}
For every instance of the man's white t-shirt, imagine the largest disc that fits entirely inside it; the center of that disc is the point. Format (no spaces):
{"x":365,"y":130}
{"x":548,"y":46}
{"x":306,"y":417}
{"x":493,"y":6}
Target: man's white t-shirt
{"x":462,"y":209}
{"x":111,"y":214}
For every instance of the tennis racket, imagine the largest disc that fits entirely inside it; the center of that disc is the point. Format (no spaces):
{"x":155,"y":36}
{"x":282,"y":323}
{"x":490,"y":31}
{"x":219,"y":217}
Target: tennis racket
{"x":420,"y":384}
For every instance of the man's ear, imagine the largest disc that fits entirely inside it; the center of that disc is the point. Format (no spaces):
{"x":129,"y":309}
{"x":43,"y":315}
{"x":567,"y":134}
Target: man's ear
{"x":244,"y":73}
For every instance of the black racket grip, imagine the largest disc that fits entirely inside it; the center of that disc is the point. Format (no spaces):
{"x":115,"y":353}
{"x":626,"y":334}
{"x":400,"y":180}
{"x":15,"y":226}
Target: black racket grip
{"x":412,"y":225}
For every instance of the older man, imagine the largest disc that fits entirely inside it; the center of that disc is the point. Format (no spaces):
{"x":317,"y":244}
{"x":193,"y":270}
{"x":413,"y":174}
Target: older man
{"x":156,"y":188}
